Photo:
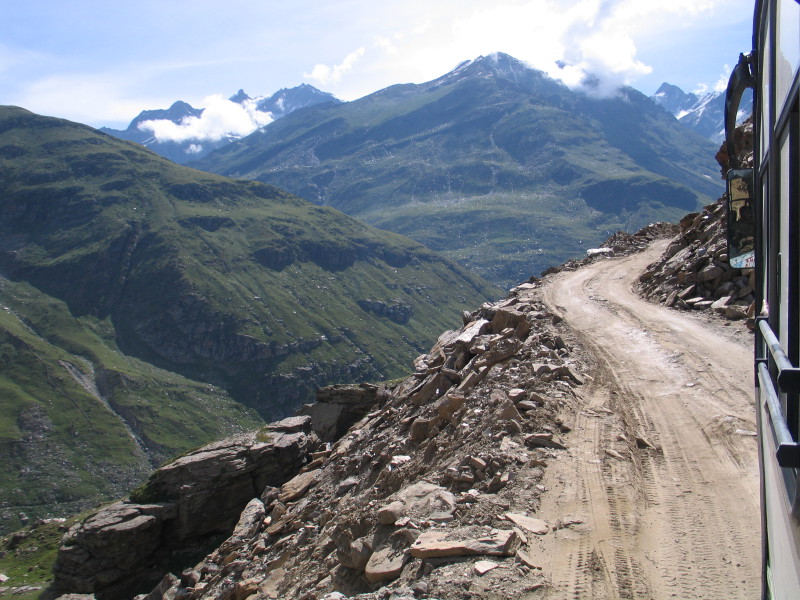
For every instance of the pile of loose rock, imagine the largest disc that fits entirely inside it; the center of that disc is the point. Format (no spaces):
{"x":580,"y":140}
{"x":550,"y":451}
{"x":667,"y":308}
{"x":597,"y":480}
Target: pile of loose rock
{"x":432,"y":493}
{"x":417,"y":497}
{"x":694,"y":272}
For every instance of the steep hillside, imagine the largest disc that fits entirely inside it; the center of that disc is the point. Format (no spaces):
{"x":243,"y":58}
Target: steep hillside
{"x":694,"y":272}
{"x":121,"y":269}
{"x":82,"y":422}
{"x":498,"y":166}
{"x":450,"y":450}
{"x":530,"y":455}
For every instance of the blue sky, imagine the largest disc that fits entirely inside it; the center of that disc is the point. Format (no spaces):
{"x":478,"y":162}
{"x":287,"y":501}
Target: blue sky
{"x":102,"y":62}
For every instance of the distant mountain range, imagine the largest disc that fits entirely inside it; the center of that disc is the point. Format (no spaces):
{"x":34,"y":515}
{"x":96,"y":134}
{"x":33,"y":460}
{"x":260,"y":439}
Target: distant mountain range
{"x":280,"y":104}
{"x":147,"y":308}
{"x":703,"y":113}
{"x":495,"y":164}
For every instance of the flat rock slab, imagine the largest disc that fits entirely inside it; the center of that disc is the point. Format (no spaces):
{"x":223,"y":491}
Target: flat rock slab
{"x":434,"y":544}
{"x":484,"y":566}
{"x":423,"y":499}
{"x":297,"y":487}
{"x":384,"y":565}
{"x":292,"y":424}
{"x":536,"y":526}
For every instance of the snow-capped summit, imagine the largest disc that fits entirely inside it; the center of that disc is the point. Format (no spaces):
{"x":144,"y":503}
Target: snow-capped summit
{"x":704,"y":113}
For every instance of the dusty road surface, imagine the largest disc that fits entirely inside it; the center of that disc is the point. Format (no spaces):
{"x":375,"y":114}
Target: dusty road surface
{"x":657,"y":496}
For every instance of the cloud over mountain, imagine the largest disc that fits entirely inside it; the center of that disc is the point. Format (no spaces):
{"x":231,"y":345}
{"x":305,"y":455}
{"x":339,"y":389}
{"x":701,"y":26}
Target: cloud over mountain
{"x":220,"y":119}
{"x":323,"y":74}
{"x":587,"y":44}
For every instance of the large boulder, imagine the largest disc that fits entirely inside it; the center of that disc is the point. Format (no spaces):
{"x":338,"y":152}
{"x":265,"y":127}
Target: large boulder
{"x":127,"y":547}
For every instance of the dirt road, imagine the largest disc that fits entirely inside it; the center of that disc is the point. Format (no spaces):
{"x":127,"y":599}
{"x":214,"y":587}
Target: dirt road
{"x":657,"y":496}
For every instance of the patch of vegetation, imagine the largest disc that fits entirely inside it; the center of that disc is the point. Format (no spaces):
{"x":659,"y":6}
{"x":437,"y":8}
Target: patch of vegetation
{"x":264,"y":436}
{"x":27,"y":556}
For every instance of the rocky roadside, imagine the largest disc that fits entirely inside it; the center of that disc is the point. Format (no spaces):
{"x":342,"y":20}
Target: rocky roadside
{"x":694,"y":273}
{"x":433,"y":493}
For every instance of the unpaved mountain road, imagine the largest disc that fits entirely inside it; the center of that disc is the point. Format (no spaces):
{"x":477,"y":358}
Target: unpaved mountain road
{"x":676,"y":514}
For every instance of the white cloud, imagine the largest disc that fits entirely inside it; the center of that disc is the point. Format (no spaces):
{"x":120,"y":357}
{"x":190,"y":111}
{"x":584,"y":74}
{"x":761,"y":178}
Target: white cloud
{"x":722,"y":82}
{"x":324,"y":74}
{"x":69,"y":71}
{"x":720,"y":86}
{"x":386,"y":44}
{"x":221,"y":118}
{"x":422,"y":27}
{"x":572,"y":40}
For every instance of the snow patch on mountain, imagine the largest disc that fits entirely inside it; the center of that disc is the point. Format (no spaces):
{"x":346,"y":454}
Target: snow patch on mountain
{"x":704,"y":113}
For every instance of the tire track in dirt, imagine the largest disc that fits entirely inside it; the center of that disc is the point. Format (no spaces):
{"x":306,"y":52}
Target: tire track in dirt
{"x":674,"y":514}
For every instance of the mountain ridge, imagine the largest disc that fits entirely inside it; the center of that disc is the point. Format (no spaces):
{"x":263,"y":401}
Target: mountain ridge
{"x":703,"y":113}
{"x":491,"y":146}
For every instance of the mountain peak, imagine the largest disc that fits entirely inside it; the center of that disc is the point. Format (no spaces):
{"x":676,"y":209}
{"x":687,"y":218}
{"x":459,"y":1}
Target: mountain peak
{"x":673,"y":98}
{"x":287,"y":100}
{"x":497,"y":63}
{"x":239,"y":97}
{"x":668,"y":89}
{"x":175,"y":113}
{"x":497,"y":66}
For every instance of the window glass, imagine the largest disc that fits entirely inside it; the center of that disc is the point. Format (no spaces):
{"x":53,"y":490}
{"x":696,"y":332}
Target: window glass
{"x":784,"y":169}
{"x":766,"y":282}
{"x":788,"y":55}
{"x":766,"y":78}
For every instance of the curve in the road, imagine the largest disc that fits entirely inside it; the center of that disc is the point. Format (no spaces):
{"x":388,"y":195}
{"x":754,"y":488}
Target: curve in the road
{"x":658,"y":494}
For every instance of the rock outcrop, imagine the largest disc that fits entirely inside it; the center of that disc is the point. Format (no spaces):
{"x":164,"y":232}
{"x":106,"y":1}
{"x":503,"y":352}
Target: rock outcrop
{"x":398,"y":311}
{"x":183,"y":509}
{"x":339,"y":406}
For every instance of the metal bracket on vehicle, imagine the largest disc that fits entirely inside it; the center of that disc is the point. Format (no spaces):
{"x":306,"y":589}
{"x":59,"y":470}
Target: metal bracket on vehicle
{"x":788,"y":379}
{"x":788,"y":451}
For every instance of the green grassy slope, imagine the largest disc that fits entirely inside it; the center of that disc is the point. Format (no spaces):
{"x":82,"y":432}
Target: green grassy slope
{"x":81,"y":422}
{"x":27,"y":556}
